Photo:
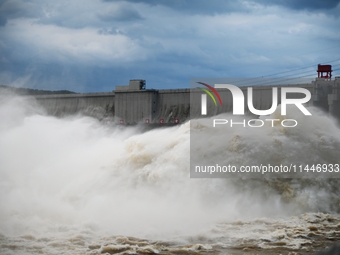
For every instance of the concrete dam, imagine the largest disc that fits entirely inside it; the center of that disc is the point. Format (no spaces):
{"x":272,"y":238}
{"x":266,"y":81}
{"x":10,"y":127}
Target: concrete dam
{"x":133,"y":104}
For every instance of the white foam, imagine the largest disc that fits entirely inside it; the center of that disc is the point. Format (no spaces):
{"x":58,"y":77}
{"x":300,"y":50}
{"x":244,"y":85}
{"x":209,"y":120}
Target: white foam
{"x":59,"y":177}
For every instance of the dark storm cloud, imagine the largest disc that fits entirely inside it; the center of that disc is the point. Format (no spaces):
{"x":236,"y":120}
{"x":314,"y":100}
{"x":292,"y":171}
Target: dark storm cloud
{"x":16,"y":9}
{"x":91,"y":15}
{"x":311,"y":5}
{"x":72,"y":14}
{"x":12,"y":9}
{"x":3,"y":21}
{"x":227,"y":6}
{"x":86,"y":45}
{"x":197,"y":6}
{"x":120,"y":13}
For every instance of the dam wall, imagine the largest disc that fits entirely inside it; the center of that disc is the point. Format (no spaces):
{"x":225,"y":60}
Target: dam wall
{"x":334,"y":100}
{"x":133,"y":104}
{"x":173,"y":104}
{"x":326,"y":95}
{"x":97,"y":105}
{"x":132,"y":107}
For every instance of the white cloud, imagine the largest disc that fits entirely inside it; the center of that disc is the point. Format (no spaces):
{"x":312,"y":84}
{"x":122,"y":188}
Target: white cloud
{"x":50,"y":43}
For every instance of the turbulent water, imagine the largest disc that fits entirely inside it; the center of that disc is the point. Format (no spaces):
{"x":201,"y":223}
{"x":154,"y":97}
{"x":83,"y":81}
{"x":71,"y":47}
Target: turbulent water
{"x":77,"y":186}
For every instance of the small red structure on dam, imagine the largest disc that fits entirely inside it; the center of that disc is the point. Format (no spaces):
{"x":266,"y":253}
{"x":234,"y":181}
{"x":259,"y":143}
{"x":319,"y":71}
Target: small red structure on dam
{"x":324,"y":71}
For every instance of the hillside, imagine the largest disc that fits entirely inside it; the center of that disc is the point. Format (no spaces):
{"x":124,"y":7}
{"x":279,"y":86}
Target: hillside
{"x":26,"y":91}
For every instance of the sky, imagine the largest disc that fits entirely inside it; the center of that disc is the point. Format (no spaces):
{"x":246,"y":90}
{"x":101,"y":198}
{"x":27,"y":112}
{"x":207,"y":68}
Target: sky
{"x":94,"y":45}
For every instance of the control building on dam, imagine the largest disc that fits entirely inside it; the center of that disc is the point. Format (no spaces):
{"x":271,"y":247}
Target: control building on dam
{"x":135,"y":103}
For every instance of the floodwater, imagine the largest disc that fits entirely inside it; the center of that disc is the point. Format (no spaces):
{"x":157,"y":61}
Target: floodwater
{"x":75,"y":186}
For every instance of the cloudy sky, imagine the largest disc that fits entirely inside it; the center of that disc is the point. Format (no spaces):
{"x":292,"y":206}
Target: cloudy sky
{"x":94,"y":45}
